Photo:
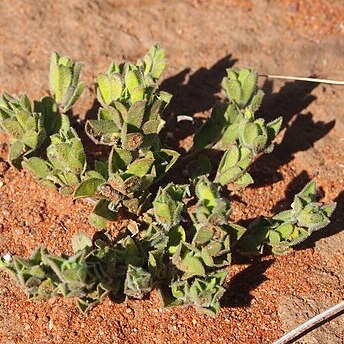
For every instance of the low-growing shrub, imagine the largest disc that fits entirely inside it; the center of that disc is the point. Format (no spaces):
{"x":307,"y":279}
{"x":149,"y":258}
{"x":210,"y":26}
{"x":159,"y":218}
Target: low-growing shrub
{"x":179,"y":238}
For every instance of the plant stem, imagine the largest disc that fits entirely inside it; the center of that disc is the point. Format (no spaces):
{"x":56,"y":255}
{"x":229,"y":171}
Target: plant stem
{"x":322,"y":81}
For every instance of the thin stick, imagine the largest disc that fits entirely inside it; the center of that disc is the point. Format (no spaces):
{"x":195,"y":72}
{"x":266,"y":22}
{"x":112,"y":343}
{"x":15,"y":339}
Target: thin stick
{"x":299,"y":78}
{"x":314,"y":322}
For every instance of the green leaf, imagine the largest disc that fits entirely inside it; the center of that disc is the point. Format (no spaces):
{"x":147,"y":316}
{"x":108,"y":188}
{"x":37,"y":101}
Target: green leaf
{"x":249,"y":85}
{"x":175,"y":236}
{"x":308,"y":192}
{"x":256,"y":100}
{"x":98,"y":127}
{"x":75,"y":96}
{"x":60,"y":79}
{"x":135,"y":114}
{"x":104,"y":84}
{"x":274,"y":127}
{"x":31,"y":139}
{"x":233,"y":90}
{"x":244,"y":180}
{"x":88,"y":188}
{"x":151,"y":127}
{"x":229,"y":175}
{"x":285,"y":230}
{"x":328,"y":209}
{"x":37,"y":166}
{"x":192,"y":266}
{"x":140,"y":167}
{"x":203,"y":235}
{"x":137,"y":94}
{"x":116,"y":86}
{"x":132,"y":80}
{"x":80,"y":241}
{"x":207,"y":193}
{"x":13,"y":128}
{"x":285,"y":215}
{"x":97,"y":221}
{"x":17,"y":148}
{"x":230,"y":158}
{"x":121,"y":158}
{"x":274,"y":237}
{"x":251,"y":132}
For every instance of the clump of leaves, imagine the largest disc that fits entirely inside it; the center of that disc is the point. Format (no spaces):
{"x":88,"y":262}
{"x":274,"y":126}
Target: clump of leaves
{"x":233,"y":127}
{"x":179,"y":238}
{"x":24,"y":126}
{"x":289,"y":227}
{"x":41,"y":138}
{"x":129,"y":121}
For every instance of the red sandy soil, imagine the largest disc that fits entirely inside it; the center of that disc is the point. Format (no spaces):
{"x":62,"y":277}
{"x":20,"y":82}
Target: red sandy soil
{"x":265,"y":297}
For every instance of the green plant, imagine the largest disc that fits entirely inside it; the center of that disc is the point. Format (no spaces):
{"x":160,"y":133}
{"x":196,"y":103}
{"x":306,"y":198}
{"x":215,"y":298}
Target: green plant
{"x":233,"y":127}
{"x":42,"y":139}
{"x":290,"y":227}
{"x":24,"y":127}
{"x":179,"y":238}
{"x":129,"y":121}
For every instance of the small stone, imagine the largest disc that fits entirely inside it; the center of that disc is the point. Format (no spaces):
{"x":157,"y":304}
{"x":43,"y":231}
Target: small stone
{"x":7,"y":257}
{"x":19,"y":231}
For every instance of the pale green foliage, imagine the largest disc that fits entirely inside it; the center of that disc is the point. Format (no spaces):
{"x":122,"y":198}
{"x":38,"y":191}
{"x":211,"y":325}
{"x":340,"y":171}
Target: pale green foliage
{"x":127,"y":83}
{"x":203,"y":293}
{"x":65,"y":163}
{"x":241,"y":88}
{"x":211,"y":207}
{"x":138,"y":282}
{"x":41,"y":139}
{"x":132,"y":104}
{"x":25,"y":127}
{"x":176,"y":238}
{"x":130,"y":121}
{"x":290,"y":227}
{"x":64,"y":81}
{"x":233,"y":127}
{"x":168,"y":205}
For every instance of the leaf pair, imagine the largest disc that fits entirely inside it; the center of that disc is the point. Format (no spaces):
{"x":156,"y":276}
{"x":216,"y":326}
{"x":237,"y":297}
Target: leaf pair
{"x":64,"y":81}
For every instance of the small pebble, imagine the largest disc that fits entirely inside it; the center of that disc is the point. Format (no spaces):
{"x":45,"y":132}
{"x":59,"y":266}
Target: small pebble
{"x":7,"y":257}
{"x":19,"y":231}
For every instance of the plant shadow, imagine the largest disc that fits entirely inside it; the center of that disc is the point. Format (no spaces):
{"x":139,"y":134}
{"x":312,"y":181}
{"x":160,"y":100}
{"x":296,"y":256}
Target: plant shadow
{"x":294,"y":187}
{"x":192,"y":93}
{"x":93,"y":151}
{"x":301,"y":130}
{"x":196,"y":92}
{"x":240,"y":286}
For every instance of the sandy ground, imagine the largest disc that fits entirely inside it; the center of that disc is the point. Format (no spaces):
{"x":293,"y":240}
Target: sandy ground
{"x":264,"y":297}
